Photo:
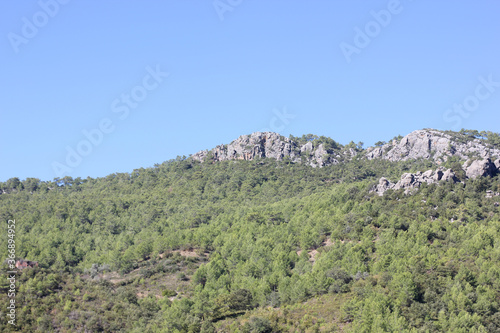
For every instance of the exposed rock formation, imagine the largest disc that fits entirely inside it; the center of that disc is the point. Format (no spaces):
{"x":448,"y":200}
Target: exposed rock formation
{"x":490,"y":194}
{"x":449,"y":175}
{"x":255,"y":145}
{"x":270,"y":145}
{"x":318,"y":152}
{"x":497,"y":164}
{"x":411,"y":181}
{"x":430,"y":144}
{"x":383,"y":185}
{"x":426,"y":144}
{"x":480,"y":168}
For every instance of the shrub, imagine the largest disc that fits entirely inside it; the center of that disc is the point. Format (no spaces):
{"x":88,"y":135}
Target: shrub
{"x":169,"y":293}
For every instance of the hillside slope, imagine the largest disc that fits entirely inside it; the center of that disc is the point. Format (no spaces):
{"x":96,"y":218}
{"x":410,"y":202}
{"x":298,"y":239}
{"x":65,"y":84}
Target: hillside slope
{"x":261,"y":245}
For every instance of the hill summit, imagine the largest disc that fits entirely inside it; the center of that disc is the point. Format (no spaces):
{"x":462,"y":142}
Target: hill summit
{"x":319,"y":151}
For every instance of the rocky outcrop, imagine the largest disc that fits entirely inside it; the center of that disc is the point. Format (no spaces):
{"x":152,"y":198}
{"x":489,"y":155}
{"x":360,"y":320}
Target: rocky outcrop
{"x":320,"y":158}
{"x":480,"y":168}
{"x":382,"y":186}
{"x":449,"y":175}
{"x":410,"y":182}
{"x":270,"y":145}
{"x":438,"y":147}
{"x":497,"y":164}
{"x":490,"y":194}
{"x":430,"y":144}
{"x":255,"y":145}
{"x":318,"y":152}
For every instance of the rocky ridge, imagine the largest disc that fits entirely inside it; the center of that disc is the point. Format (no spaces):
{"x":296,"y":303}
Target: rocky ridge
{"x":430,"y":144}
{"x":273,"y":145}
{"x":410,"y":182}
{"x":426,"y":144}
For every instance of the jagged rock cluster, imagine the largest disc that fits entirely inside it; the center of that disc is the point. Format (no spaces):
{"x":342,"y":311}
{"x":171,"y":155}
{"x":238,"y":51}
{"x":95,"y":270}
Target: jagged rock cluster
{"x":426,"y":144}
{"x":271,"y":145}
{"x":480,"y":168}
{"x":430,"y":144}
{"x":255,"y":145}
{"x":410,"y":182}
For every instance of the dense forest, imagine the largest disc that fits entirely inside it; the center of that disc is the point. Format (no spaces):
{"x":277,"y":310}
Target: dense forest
{"x":254,"y":246}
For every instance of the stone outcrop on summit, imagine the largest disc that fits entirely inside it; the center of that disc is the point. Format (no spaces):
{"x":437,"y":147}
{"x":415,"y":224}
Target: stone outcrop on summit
{"x":426,"y":144}
{"x":269,"y":145}
{"x":430,"y":144}
{"x":255,"y":145}
{"x":476,"y":155}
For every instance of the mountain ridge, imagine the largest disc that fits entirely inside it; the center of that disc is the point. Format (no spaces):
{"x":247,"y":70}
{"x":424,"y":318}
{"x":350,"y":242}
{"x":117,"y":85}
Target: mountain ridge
{"x":321,"y":151}
{"x":477,"y":156}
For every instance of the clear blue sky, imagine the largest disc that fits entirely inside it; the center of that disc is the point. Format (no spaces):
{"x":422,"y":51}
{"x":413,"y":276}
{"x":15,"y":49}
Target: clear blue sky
{"x":70,"y":68}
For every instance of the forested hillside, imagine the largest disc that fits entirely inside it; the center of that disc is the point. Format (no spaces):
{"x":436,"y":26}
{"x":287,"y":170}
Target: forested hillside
{"x":259,"y":245}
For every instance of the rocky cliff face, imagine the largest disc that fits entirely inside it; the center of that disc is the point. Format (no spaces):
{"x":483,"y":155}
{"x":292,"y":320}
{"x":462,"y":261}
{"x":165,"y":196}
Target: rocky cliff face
{"x":410,"y":182}
{"x":481,"y":168}
{"x":434,"y":145}
{"x":430,"y":144}
{"x":270,"y":145}
{"x":437,"y":146}
{"x":427,"y":144}
{"x":249,"y":147}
